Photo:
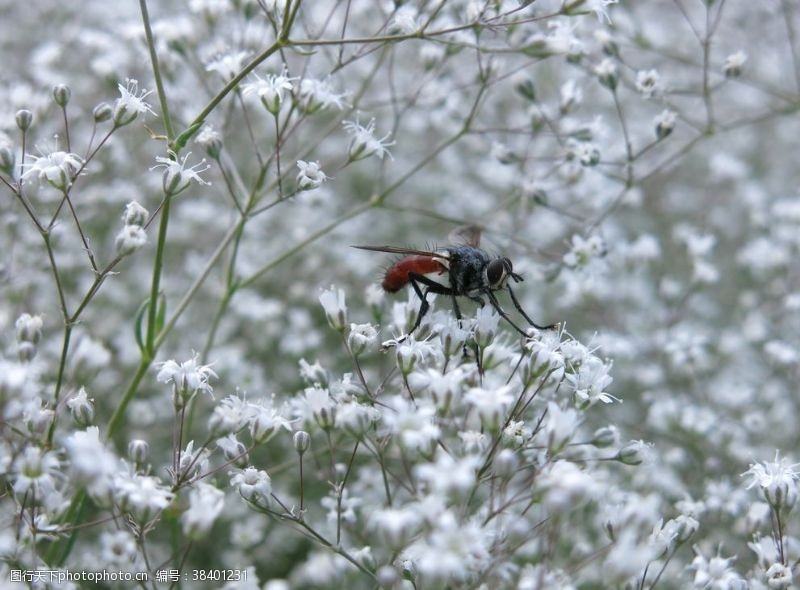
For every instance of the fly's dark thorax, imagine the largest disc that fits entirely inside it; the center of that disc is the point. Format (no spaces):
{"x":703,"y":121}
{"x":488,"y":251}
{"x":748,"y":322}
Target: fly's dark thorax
{"x":467,"y":266}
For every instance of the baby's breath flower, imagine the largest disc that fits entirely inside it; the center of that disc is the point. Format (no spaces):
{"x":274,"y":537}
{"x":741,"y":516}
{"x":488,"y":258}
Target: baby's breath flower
{"x":590,"y":382}
{"x":233,"y":450}
{"x":129,"y":239}
{"x":187,"y":378}
{"x":648,"y":83}
{"x":333,"y":303}
{"x":360,"y":337}
{"x":606,"y":72}
{"x":254,"y":485}
{"x":486,"y":323}
{"x":61,"y":94}
{"x":779,"y":576}
{"x":634,"y":452}
{"x":58,"y":169}
{"x":138,"y":450}
{"x":733,"y":64}
{"x":141,"y":496}
{"x":81,"y":407}
{"x":135,"y":214}
{"x":177,"y":177}
{"x":211,"y":140}
{"x":24,"y":119}
{"x":205,"y":504}
{"x":35,"y":472}
{"x":270,"y":90}
{"x":131,"y":103}
{"x":665,"y":123}
{"x":310,"y":176}
{"x":777,"y":480}
{"x":318,"y":95}
{"x":364,"y":142}
{"x":228,"y":65}
{"x":29,"y":328}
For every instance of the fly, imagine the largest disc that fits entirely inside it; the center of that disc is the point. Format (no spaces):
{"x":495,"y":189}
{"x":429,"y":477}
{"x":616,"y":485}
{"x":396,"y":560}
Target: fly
{"x":460,"y":270}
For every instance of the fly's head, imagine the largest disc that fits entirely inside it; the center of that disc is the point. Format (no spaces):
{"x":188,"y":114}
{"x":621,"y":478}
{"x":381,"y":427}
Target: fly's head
{"x":498,"y":271}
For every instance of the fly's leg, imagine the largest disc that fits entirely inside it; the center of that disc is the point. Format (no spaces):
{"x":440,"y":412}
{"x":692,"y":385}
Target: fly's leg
{"x":525,"y":315}
{"x":496,"y":304}
{"x":460,"y":319}
{"x":416,"y":280}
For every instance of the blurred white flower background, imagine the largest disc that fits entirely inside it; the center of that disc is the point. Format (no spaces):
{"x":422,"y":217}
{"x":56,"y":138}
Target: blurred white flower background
{"x":201,"y":381}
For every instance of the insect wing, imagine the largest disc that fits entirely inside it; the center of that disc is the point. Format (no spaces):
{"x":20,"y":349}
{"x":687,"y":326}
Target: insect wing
{"x":466,"y":235}
{"x":403,"y":251}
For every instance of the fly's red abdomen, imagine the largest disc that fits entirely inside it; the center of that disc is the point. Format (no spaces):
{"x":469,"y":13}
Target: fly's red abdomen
{"x":397,"y":275}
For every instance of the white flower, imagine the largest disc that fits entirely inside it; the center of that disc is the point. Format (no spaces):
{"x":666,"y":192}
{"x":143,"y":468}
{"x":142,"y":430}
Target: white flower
{"x":35,"y":472}
{"x":321,"y":406}
{"x":411,"y":351}
{"x":606,"y":72}
{"x":229,"y":416}
{"x":733,"y":64}
{"x":316,"y":95}
{"x":253,"y":485}
{"x":648,"y":83}
{"x":634,"y":452}
{"x":485,"y":325}
{"x":141,"y":496}
{"x":270,"y":89}
{"x":177,"y":177}
{"x":490,"y":404}
{"x":779,"y":576}
{"x":29,"y":328}
{"x":187,"y":378}
{"x":566,"y":486}
{"x":395,"y":526}
{"x":205,"y":504}
{"x":310,"y":176}
{"x":91,"y":463}
{"x":333,"y":303}
{"x":714,"y":573}
{"x":777,"y":480}
{"x":364,"y":142}
{"x":665,"y":123}
{"x":590,"y":382}
{"x":452,"y":550}
{"x":58,"y":168}
{"x":228,"y":65}
{"x":360,"y":337}
{"x":131,"y":103}
{"x":129,"y":239}
{"x":559,"y":426}
{"x":264,"y":421}
{"x":413,"y":426}
{"x":134,"y":214}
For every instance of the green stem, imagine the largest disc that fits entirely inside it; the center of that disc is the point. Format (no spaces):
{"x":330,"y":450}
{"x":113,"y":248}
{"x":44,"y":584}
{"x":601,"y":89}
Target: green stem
{"x":157,"y":267}
{"x":151,"y":47}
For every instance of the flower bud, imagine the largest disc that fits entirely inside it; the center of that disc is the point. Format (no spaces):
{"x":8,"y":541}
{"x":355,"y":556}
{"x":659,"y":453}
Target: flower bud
{"x":138,"y":450}
{"x":7,"y":159}
{"x":605,"y":437}
{"x":24,"y":119}
{"x":333,"y":302}
{"x":26,"y":351}
{"x":81,"y":408}
{"x":665,"y":123}
{"x":130,"y":239}
{"x":524,"y":86}
{"x":102,"y":112}
{"x":61,"y":94}
{"x":302,"y":440}
{"x":360,"y":337}
{"x":733,"y":64}
{"x":210,"y":140}
{"x":634,"y":452}
{"x":29,"y":328}
{"x":135,"y":214}
{"x":607,"y":74}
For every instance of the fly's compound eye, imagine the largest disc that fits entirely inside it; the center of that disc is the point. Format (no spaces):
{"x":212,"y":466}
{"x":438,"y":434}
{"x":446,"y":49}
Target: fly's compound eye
{"x":496,"y":271}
